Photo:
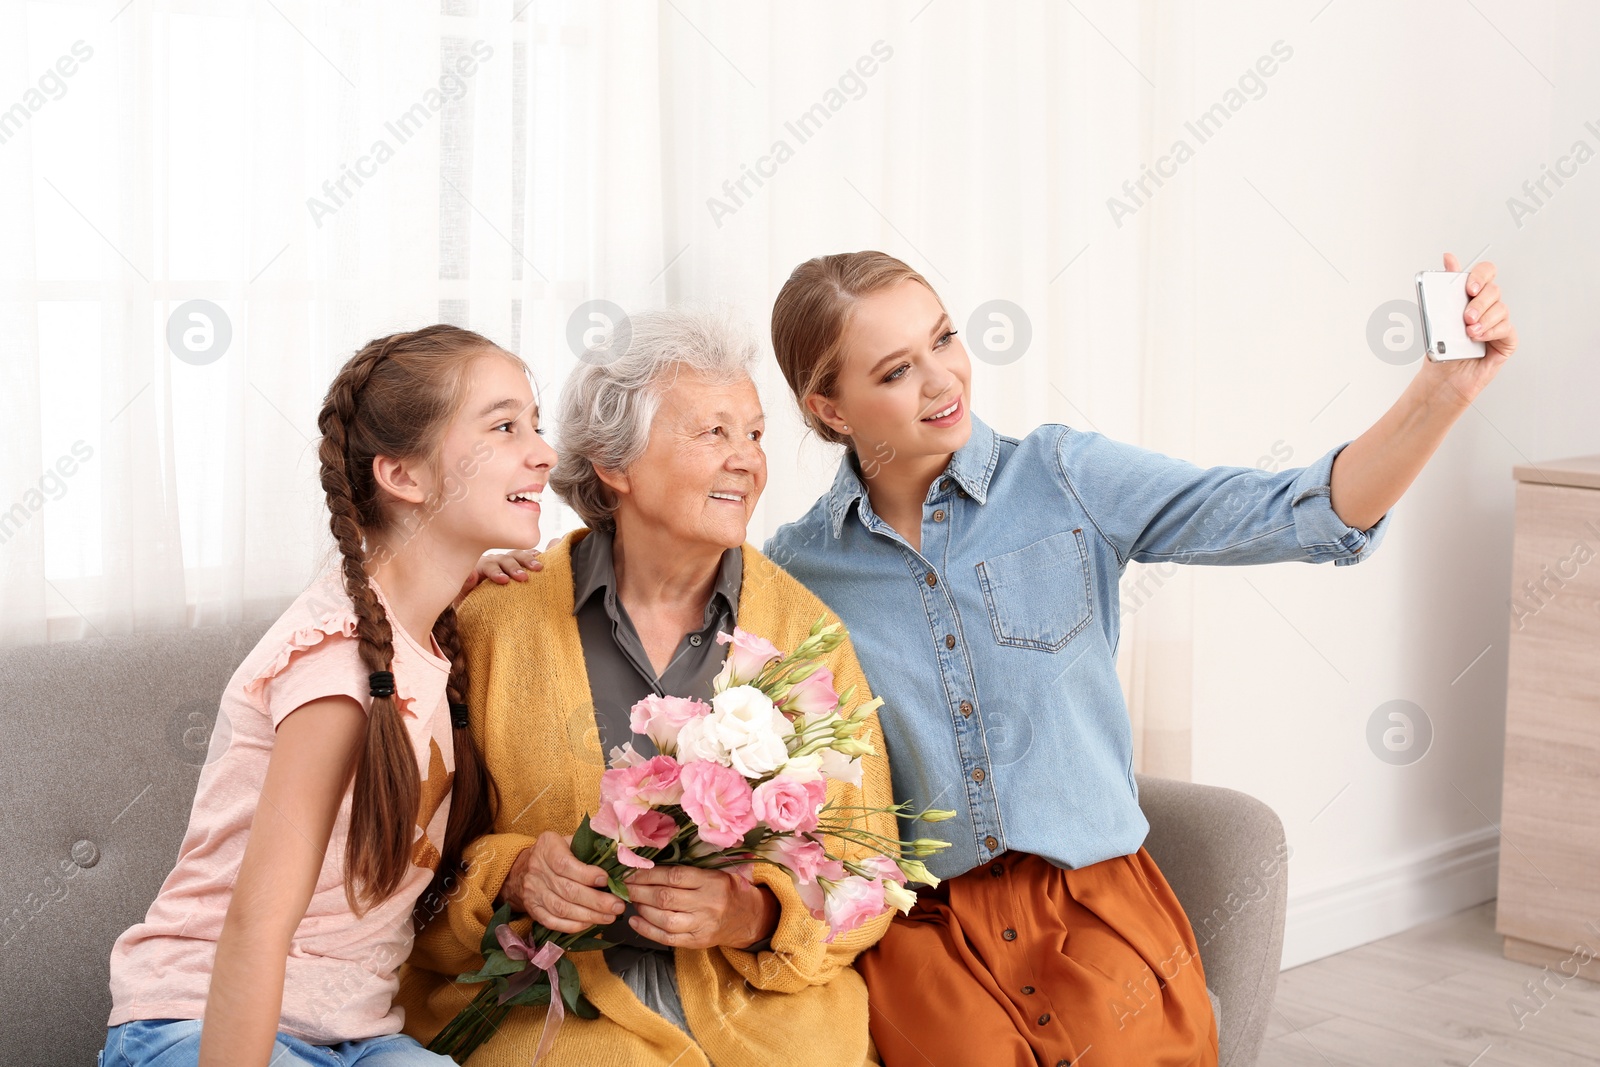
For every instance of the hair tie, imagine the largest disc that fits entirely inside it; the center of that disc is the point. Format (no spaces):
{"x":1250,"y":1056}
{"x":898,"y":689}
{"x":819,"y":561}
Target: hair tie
{"x":458,"y":715}
{"x":382,"y":683}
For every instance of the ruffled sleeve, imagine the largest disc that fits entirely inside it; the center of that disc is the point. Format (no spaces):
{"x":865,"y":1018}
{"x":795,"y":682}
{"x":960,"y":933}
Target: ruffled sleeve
{"x":309,"y":663}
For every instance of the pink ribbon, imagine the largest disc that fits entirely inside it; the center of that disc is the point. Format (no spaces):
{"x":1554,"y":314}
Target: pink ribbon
{"x":540,"y":960}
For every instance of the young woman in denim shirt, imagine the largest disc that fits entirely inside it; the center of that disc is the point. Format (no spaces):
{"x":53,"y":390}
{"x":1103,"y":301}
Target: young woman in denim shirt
{"x":978,"y":575}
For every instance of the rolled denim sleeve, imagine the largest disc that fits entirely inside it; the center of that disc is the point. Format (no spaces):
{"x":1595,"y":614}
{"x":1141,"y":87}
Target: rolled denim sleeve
{"x":1154,"y":508}
{"x":1321,"y":532}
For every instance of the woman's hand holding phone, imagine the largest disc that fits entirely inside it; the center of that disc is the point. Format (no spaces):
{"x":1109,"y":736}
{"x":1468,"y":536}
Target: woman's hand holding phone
{"x":1487,"y":320}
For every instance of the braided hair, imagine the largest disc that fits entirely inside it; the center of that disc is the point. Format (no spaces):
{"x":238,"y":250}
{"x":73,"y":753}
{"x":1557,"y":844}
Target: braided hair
{"x":395,"y":398}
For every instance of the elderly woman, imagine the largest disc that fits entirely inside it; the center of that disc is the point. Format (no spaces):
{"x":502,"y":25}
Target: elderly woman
{"x":661,"y":456}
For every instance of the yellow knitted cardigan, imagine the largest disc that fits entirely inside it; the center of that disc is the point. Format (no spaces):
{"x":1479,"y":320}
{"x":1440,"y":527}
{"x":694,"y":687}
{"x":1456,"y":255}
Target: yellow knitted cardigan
{"x":534,"y":721}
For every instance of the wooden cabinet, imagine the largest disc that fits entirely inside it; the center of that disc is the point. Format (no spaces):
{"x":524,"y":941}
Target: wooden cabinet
{"x":1549,"y":908}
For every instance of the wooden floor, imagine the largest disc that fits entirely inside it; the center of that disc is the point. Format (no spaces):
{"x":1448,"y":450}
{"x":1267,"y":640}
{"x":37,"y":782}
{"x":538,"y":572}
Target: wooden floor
{"x":1438,"y":994}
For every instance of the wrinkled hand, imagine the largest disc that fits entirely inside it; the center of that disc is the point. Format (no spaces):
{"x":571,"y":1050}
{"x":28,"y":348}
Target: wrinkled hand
{"x":557,"y":889}
{"x":691,"y":907}
{"x":1488,"y":320}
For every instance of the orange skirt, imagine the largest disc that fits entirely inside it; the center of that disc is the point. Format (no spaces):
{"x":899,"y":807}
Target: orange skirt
{"x":1021,"y":962}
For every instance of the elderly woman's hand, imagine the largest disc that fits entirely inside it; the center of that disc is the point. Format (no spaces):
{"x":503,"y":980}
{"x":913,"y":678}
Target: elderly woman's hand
{"x":551,"y":884}
{"x":690,"y":907}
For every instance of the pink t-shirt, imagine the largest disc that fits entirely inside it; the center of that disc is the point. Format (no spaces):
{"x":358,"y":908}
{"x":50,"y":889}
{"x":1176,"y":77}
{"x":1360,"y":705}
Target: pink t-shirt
{"x":342,"y":971}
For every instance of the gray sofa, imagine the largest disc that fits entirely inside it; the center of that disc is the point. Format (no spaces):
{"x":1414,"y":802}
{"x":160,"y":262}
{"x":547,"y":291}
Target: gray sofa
{"x":102,"y":742}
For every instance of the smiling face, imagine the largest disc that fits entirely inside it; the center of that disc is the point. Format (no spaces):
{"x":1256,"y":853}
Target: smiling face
{"x":492,"y":462}
{"x":904,"y":379}
{"x":702,"y":470}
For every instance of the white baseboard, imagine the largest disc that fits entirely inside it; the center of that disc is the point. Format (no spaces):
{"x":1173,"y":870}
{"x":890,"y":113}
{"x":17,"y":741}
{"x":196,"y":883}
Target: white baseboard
{"x":1438,"y":881}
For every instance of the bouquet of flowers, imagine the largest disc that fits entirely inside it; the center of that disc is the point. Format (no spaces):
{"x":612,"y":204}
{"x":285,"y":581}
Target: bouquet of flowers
{"x":739,"y":781}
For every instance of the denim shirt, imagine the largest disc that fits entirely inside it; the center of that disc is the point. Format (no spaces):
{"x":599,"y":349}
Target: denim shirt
{"x":994,"y":647}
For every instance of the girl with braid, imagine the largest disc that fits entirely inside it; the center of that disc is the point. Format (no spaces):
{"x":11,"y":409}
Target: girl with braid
{"x":341,"y":782}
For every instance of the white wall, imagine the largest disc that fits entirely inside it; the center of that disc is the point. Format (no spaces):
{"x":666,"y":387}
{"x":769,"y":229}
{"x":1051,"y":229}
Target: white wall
{"x":1394,"y":134}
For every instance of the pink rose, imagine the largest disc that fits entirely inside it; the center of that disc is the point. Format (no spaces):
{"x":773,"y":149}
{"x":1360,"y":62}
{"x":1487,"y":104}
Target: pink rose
{"x":748,"y":657}
{"x":814,"y":893}
{"x":850,"y":903}
{"x":786,"y":804}
{"x":653,"y":829}
{"x":627,"y":814}
{"x":802,"y":856}
{"x":618,"y":803}
{"x":661,"y":718}
{"x":642,"y":785}
{"x":654,"y":782}
{"x":812,"y":696}
{"x":718,"y":799}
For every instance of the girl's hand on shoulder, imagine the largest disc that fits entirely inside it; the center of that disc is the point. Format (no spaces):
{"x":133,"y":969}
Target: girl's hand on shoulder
{"x":501,"y":568}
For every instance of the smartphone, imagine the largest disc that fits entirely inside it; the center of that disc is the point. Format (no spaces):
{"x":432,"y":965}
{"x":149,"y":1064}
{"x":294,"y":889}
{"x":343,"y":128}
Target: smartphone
{"x":1442,"y":299}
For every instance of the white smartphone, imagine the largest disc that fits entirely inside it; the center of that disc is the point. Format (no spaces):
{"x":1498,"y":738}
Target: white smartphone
{"x":1442,"y":299}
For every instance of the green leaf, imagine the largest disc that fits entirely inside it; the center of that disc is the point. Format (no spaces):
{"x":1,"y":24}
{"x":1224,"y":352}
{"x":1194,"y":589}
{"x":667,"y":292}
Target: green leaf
{"x":617,"y":887}
{"x":589,"y":944}
{"x":501,"y":916}
{"x":567,"y":972}
{"x":585,"y":842}
{"x":495,"y":965}
{"x":585,"y":1009}
{"x":538,"y":993}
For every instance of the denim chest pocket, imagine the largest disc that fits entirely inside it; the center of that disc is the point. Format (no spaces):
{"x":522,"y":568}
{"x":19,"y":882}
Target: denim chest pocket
{"x":1038,"y":597}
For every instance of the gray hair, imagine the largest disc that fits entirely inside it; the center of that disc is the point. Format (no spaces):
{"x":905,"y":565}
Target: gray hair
{"x":611,"y":398}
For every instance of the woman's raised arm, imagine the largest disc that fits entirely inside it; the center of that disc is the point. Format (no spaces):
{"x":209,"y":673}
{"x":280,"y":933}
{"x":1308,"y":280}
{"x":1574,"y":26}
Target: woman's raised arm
{"x":1376,"y":468}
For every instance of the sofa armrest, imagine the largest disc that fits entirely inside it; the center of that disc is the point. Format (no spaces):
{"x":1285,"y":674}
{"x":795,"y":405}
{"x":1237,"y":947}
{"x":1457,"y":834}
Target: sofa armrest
{"x":1225,"y":855}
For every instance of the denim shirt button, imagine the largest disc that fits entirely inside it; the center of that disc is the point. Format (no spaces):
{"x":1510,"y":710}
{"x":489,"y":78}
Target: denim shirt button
{"x":938,"y":516}
{"x":978,"y":776}
{"x":933,"y":580}
{"x":991,"y":843}
{"x":949,"y":640}
{"x":966,"y":709}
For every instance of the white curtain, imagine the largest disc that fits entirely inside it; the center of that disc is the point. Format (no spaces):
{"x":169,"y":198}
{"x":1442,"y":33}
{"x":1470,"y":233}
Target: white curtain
{"x":322,"y":173}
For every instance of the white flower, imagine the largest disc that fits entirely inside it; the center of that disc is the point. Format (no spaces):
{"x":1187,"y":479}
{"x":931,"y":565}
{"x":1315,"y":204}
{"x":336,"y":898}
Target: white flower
{"x":744,"y":731}
{"x":803,"y":768}
{"x":698,"y":741}
{"x":625,"y":756}
{"x":837,"y":765}
{"x":898,"y":896}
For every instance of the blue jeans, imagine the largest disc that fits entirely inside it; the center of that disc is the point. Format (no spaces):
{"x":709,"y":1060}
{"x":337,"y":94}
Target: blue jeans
{"x":176,"y":1043}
